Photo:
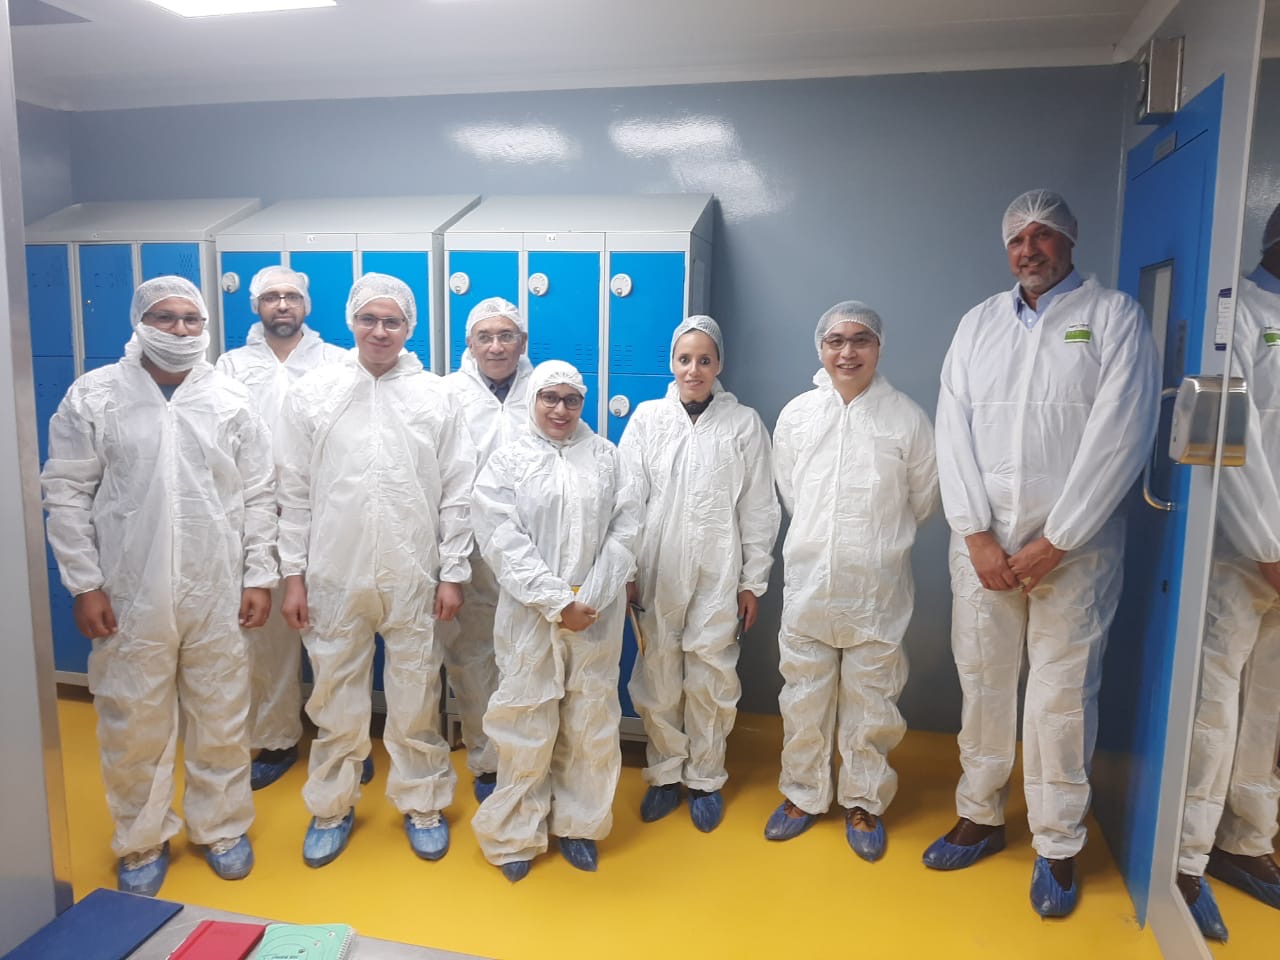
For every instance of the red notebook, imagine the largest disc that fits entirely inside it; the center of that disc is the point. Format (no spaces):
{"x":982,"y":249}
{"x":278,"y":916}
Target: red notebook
{"x":219,"y":940}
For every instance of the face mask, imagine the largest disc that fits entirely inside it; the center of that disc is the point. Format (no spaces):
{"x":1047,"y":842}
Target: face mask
{"x":172,"y":354}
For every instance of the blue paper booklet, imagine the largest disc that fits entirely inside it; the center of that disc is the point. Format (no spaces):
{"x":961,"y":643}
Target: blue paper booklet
{"x":105,"y":925}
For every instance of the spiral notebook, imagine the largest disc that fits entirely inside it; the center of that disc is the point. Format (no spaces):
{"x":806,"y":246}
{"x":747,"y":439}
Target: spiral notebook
{"x":303,"y":941}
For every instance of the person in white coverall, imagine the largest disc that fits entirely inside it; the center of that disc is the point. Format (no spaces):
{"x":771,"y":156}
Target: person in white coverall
{"x":701,"y":464}
{"x":492,"y":389}
{"x":1233,"y":784}
{"x":160,"y":492}
{"x":279,"y":349}
{"x":375,"y":472}
{"x":1046,"y":414}
{"x":555,"y":517}
{"x":854,"y":462}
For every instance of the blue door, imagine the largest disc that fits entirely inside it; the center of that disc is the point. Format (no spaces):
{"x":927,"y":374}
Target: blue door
{"x":330,"y":274}
{"x":106,"y":291}
{"x":489,"y":273}
{"x":237,"y":315}
{"x":564,"y":322}
{"x":413,"y":267}
{"x":49,"y":290}
{"x":176,"y":259}
{"x":1164,"y":263}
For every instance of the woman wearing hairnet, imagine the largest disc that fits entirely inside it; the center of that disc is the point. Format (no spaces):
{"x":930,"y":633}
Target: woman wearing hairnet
{"x":555,"y":518}
{"x":855,"y":465}
{"x":162,"y":515}
{"x":701,"y":465}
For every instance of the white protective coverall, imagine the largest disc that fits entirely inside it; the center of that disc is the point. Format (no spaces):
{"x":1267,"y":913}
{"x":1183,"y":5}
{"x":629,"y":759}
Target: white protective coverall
{"x":275,"y":650}
{"x":1041,"y":431}
{"x":857,"y":480}
{"x":168,"y":507}
{"x":1233,"y":788}
{"x":468,"y":645}
{"x":552,"y":517}
{"x":374,"y":478}
{"x":710,"y":517}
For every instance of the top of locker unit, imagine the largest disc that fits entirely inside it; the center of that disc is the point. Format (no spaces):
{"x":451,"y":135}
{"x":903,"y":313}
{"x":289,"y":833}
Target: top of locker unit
{"x":584,"y":213}
{"x":357,"y":215}
{"x":171,"y":221}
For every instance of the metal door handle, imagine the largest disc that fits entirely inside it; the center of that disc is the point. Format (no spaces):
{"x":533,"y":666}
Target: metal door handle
{"x":1152,"y":500}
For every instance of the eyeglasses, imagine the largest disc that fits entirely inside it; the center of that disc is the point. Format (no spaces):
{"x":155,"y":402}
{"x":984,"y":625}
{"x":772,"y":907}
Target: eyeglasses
{"x":167,"y":321}
{"x":367,"y":321}
{"x":551,"y":400}
{"x":859,"y":342}
{"x":271,"y":299}
{"x":506,"y":338}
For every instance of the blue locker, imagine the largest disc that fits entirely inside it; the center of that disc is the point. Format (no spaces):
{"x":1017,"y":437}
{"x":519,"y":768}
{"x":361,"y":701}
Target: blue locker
{"x":564,"y":323}
{"x":177,"y":259}
{"x":493,"y":273}
{"x":53,"y":375}
{"x":49,"y":290}
{"x":413,"y":267}
{"x":637,"y":389}
{"x":640,"y":323}
{"x":106,"y":290}
{"x":237,"y":315}
{"x":330,"y":274}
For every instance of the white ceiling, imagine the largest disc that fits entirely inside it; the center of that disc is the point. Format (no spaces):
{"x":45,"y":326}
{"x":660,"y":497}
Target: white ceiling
{"x":131,"y":53}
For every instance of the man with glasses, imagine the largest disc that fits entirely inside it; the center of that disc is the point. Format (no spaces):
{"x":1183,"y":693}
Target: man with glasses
{"x":492,"y":392}
{"x":279,"y":349}
{"x":375,"y":472}
{"x":160,"y":492}
{"x":1046,"y":413}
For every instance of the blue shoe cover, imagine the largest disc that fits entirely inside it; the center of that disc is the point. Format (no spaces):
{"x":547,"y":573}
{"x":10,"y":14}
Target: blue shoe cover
{"x":484,"y":785}
{"x":516,"y":870}
{"x":581,"y":853}
{"x":321,"y":846}
{"x":1206,"y":914}
{"x":868,"y":845}
{"x":659,"y":801}
{"x":706,"y":809}
{"x":366,"y":770}
{"x":232,"y":864}
{"x":943,"y":855}
{"x":147,"y":879}
{"x":782,"y":827}
{"x":428,"y":834}
{"x":1047,"y":898}
{"x":270,"y":766}
{"x":1226,"y":871}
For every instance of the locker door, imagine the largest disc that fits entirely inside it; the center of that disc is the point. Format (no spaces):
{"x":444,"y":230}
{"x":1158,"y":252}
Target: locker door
{"x":640,"y":325}
{"x":49,"y":290}
{"x":237,"y":316}
{"x":413,"y":267}
{"x":330,"y":274}
{"x":106,"y":289}
{"x":489,"y":273}
{"x":564,"y":321}
{"x":177,"y":259}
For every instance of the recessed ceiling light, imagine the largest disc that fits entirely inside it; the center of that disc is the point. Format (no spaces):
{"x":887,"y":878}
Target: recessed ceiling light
{"x":217,"y":8}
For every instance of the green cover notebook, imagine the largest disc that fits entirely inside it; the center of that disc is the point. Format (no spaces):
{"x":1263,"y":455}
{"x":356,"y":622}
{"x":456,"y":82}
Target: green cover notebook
{"x":305,"y":941}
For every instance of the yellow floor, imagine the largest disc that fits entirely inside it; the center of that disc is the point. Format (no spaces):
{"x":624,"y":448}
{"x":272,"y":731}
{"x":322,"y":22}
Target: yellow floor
{"x":663,"y":889}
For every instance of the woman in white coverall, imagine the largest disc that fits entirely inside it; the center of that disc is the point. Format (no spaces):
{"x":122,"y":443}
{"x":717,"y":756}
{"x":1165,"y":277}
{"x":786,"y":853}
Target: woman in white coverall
{"x":854,"y":462}
{"x":702,"y":469}
{"x":161,"y":500}
{"x":375,"y":473}
{"x":555,"y":517}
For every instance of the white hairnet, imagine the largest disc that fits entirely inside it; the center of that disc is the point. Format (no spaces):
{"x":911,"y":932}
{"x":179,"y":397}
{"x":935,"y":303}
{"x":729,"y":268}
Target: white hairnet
{"x":550,"y":372}
{"x":849,"y":311}
{"x":380,"y":286}
{"x":151,"y":292}
{"x":277,"y":276}
{"x":1271,"y":233}
{"x":1039,"y":206}
{"x":701,"y":324}
{"x":492,"y":307}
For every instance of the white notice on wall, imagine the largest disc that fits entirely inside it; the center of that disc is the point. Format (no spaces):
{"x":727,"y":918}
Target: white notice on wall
{"x":1226,"y":309}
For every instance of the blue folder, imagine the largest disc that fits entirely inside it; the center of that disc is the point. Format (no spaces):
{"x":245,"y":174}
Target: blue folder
{"x":105,"y":925}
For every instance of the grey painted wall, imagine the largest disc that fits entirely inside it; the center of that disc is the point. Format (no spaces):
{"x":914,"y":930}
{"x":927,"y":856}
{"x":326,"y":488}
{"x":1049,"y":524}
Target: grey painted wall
{"x":45,"y":143}
{"x":887,"y":189}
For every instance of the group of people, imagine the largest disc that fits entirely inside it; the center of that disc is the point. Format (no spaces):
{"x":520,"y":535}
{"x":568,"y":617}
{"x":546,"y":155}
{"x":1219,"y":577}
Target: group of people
{"x":206,"y":518}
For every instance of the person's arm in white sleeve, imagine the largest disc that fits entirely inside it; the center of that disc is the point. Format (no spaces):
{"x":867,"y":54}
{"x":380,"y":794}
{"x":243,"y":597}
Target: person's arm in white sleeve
{"x":456,"y":455}
{"x":508,"y":548}
{"x":922,"y":469}
{"x":293,"y":451}
{"x":964,"y":494}
{"x":1117,"y":436}
{"x":784,"y":461}
{"x":758,"y":515}
{"x":70,"y":480}
{"x":615,"y":562}
{"x":634,"y":451}
{"x":256,"y":463}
